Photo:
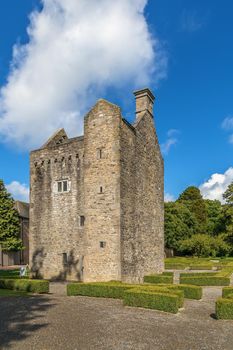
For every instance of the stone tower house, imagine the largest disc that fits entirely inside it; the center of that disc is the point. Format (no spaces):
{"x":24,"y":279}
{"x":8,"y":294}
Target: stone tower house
{"x":96,"y":201}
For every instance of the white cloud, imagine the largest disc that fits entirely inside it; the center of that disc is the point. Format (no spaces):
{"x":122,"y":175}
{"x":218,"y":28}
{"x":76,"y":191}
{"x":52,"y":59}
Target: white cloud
{"x":216,"y":185}
{"x":190,"y":21}
{"x":168,"y":197}
{"x":227,"y":123}
{"x":18,"y":191}
{"x":76,"y":50}
{"x":172,"y":139}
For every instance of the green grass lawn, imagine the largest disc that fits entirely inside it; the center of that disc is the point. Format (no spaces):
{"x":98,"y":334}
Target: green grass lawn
{"x":12,"y":293}
{"x":10,"y":274}
{"x":199,"y":263}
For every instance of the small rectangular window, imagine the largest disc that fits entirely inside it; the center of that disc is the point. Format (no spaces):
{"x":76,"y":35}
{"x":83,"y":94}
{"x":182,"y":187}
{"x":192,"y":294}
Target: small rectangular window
{"x":59,"y":186}
{"x":65,"y":186}
{"x":62,"y":186}
{"x":100,"y":153}
{"x":101,"y":189}
{"x":64,"y":258}
{"x":102,"y":244}
{"x":82,"y":220}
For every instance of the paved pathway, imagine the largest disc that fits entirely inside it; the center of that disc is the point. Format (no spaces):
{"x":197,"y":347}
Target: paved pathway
{"x":57,"y":322}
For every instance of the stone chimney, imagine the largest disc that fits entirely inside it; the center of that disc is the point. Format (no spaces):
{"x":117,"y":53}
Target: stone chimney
{"x":144,"y":102}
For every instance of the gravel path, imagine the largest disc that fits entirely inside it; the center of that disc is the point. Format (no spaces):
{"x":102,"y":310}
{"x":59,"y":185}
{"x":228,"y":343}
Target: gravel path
{"x":81,"y":323}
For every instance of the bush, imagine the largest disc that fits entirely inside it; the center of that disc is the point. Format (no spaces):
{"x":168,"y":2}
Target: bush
{"x":204,"y":246}
{"x":33,"y":286}
{"x":190,"y":292}
{"x":163,"y":290}
{"x":175,"y":266}
{"x":201,"y":267}
{"x":205,"y":280}
{"x":226,"y":291}
{"x":104,"y":290}
{"x":152,"y":300}
{"x":166,"y":277}
{"x":224,"y":308}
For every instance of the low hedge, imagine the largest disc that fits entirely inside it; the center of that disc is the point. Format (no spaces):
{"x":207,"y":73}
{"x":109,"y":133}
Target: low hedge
{"x":166,"y":277}
{"x":104,"y":290}
{"x":206,"y":280}
{"x":163,"y":290}
{"x":200,"y":267}
{"x":175,"y":266}
{"x":25,"y":285}
{"x":226,"y":291}
{"x":221,"y":278}
{"x":224,"y":308}
{"x":152,"y":300}
{"x":190,"y":292}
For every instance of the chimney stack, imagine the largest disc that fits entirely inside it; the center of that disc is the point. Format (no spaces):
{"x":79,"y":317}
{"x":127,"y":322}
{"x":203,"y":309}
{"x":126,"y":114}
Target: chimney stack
{"x":144,"y":102}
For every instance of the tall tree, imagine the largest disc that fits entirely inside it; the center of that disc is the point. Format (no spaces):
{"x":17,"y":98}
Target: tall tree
{"x":215,"y":217}
{"x":9,"y":222}
{"x":192,"y":199}
{"x":180,"y":224}
{"x":228,"y":194}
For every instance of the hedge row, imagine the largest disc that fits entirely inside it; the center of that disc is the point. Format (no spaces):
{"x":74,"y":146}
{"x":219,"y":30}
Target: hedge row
{"x":224,"y":305}
{"x":163,"y":297}
{"x":175,"y":266}
{"x":165,"y":277}
{"x":152,"y":300}
{"x":221,"y":278}
{"x":25,"y":285}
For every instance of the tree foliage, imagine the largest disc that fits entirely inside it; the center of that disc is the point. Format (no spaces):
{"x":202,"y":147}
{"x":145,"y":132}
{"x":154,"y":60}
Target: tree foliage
{"x":228,"y":194}
{"x":9,"y":222}
{"x":202,"y":245}
{"x":193,"y":200}
{"x":180,"y":224}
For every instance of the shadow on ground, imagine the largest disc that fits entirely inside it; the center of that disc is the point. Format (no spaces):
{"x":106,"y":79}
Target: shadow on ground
{"x":20,"y":318}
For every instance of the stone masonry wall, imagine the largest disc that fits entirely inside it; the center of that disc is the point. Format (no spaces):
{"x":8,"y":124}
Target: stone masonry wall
{"x":102,"y":207}
{"x":141,"y":201}
{"x":55,"y":217}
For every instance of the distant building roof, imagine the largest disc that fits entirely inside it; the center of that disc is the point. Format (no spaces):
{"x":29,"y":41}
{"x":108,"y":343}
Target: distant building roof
{"x":22,"y":208}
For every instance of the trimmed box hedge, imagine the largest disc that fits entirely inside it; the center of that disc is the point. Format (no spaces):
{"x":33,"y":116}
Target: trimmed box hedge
{"x":224,"y":308}
{"x":175,"y":266}
{"x":159,"y":292}
{"x":165,"y":277}
{"x":226,"y":291}
{"x":152,"y":300}
{"x":104,"y":290}
{"x":190,"y":292}
{"x":221,"y":278}
{"x":163,"y":290}
{"x":25,"y":285}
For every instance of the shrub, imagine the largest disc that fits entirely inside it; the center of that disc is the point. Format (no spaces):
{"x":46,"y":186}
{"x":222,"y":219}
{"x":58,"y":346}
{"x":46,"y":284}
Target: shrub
{"x":201,"y":267}
{"x":152,"y":300}
{"x":104,"y":290}
{"x":33,"y":286}
{"x":166,"y":277}
{"x":221,"y":278}
{"x":203,"y":246}
{"x":226,"y":291}
{"x":163,"y":290}
{"x":175,"y":266}
{"x":224,"y":308}
{"x":205,"y":280}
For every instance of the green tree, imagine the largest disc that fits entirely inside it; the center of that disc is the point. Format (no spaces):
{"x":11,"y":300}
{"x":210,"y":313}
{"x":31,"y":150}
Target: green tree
{"x":180,"y":223}
{"x":228,"y":194}
{"x":205,"y":246}
{"x":215,"y":217}
{"x":193,"y":200}
{"x":9,"y":222}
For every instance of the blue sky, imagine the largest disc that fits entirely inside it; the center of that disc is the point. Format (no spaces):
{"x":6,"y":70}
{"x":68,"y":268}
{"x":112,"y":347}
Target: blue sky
{"x":192,"y":79}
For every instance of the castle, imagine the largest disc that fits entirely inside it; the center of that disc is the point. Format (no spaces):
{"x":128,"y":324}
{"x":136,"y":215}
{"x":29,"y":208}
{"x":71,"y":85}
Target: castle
{"x":96,"y":201}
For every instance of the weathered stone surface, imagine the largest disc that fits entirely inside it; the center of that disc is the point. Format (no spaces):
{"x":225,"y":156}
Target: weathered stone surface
{"x":114,"y":176}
